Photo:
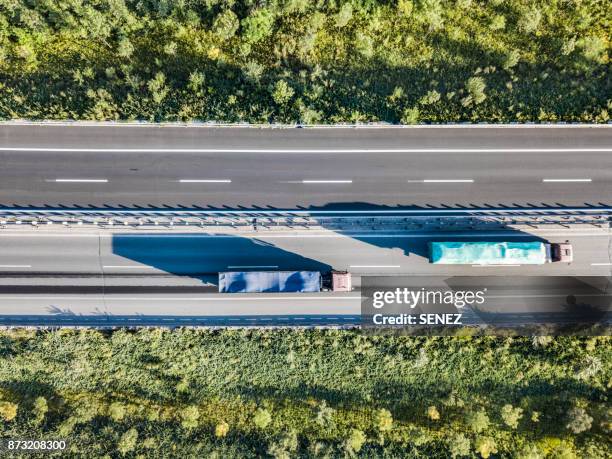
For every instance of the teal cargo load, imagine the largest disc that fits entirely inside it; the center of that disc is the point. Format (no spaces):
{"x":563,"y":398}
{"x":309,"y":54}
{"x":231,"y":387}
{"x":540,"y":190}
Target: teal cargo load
{"x":490,"y":253}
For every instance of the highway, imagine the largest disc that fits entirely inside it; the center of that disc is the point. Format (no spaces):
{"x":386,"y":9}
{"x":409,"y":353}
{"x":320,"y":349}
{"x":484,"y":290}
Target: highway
{"x":314,"y":169}
{"x":114,"y":278}
{"x":102,"y":277}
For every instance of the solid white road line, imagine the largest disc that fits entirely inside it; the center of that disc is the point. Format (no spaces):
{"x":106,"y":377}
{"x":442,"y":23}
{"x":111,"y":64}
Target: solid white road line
{"x":448,"y":181}
{"x":233,"y":297}
{"x":326,"y":181}
{"x":205,"y":181}
{"x":251,"y":267}
{"x":264,"y":212}
{"x":15,"y":266}
{"x":298,"y":151}
{"x":566,"y":180}
{"x":601,"y":264}
{"x":330,"y":234}
{"x":81,"y":180}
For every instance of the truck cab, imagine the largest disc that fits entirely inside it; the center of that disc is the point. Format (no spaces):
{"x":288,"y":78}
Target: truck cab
{"x":341,"y":281}
{"x":562,"y":252}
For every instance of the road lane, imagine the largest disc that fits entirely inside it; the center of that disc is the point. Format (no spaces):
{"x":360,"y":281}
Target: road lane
{"x":193,"y":255}
{"x":397,"y":174}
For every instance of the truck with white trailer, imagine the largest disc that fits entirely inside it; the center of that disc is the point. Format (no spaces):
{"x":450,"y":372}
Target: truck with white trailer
{"x":284,"y":281}
{"x":499,"y":253}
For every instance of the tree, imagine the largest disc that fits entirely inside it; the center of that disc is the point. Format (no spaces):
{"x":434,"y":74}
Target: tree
{"x":262,"y":418}
{"x":157,"y":87}
{"x":8,"y":410}
{"x":410,"y":116}
{"x":594,"y":49}
{"x":127,"y":442}
{"x":478,"y":421}
{"x":459,"y":445}
{"x":384,"y":420}
{"x":40,"y":409}
{"x":325,"y":415}
{"x":529,"y":452}
{"x":498,"y":22}
{"x":511,"y":59}
{"x":170,"y":48}
{"x":190,"y":416}
{"x":486,"y":446}
{"x":221,"y":429}
{"x":530,"y":20}
{"x":475,"y":87}
{"x":258,"y":25}
{"x":344,"y":15}
{"x":433,"y":413}
{"x":226,"y":24}
{"x":125,"y":47}
{"x":578,"y":420}
{"x":283,"y":448}
{"x":355,"y":441}
{"x":282,"y":92}
{"x":364,"y":44}
{"x":511,"y":415}
{"x":431,"y":97}
{"x":116,"y":411}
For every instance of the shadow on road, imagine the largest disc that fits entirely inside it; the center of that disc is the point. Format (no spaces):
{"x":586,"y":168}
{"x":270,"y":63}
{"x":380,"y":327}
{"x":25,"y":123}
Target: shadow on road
{"x":202,"y":256}
{"x":419,"y":245}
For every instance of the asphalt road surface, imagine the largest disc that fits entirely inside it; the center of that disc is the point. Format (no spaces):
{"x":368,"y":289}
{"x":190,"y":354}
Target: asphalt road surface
{"x":313,"y":169}
{"x":103,"y":279}
{"x":194,"y":259}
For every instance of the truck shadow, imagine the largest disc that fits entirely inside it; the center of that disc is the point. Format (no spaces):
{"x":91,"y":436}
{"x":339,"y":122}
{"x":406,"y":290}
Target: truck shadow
{"x":202,"y":256}
{"x":479,"y":229}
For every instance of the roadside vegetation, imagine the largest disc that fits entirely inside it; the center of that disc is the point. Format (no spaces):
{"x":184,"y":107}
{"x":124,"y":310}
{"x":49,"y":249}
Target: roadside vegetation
{"x":306,"y":393}
{"x":308,"y":61}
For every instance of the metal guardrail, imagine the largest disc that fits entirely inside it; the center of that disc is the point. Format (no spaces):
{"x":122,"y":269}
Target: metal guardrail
{"x":248,"y":219}
{"x":382,"y":211}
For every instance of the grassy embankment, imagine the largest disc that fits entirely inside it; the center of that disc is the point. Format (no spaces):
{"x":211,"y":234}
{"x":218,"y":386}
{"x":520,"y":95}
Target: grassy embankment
{"x":239,"y":393}
{"x":306,"y":61}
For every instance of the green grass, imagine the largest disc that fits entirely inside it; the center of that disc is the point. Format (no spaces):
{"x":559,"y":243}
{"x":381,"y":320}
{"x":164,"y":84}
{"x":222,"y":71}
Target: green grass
{"x":315,"y":388}
{"x":306,"y":61}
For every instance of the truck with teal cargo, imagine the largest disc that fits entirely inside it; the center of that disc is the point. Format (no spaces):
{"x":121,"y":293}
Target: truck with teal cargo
{"x":499,"y":253}
{"x":284,"y":281}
